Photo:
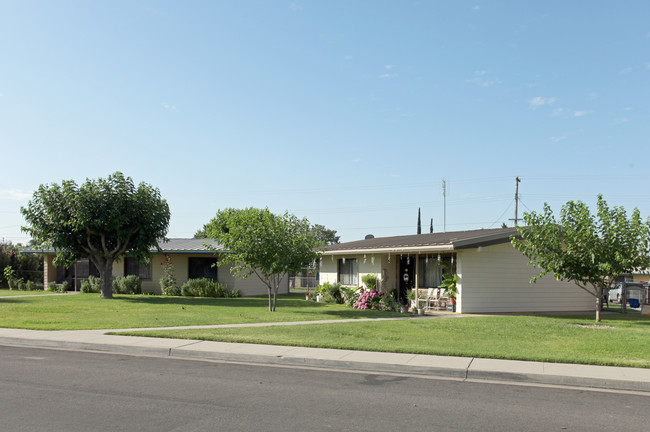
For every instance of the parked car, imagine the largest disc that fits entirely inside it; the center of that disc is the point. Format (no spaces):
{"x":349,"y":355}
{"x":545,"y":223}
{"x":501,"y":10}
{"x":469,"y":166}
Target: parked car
{"x":614,"y":294}
{"x":635,"y":290}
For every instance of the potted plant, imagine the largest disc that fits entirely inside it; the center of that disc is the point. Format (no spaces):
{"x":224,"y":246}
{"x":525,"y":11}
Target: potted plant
{"x":449,"y":281}
{"x":410,"y":295}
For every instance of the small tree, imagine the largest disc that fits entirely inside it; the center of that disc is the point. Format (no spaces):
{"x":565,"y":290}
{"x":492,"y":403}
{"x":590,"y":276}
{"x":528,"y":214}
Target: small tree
{"x":590,"y":251}
{"x":262,"y":243}
{"x":102,"y":220}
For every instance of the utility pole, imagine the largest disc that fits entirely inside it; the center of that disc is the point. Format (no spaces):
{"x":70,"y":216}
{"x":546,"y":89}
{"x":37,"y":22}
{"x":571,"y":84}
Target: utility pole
{"x":444,"y":205}
{"x":516,"y":219}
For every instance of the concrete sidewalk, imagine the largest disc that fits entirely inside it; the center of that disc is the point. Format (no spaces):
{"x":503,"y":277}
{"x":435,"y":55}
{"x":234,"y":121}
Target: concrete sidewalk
{"x":414,"y":364}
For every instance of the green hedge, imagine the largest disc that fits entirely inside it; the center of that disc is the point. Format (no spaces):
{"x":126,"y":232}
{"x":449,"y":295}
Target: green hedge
{"x":127,"y":285}
{"x":204,"y":287}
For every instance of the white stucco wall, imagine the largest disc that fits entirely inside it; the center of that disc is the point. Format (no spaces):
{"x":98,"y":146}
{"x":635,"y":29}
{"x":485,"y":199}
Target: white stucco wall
{"x":328,"y":271}
{"x":329,"y":267}
{"x":497,"y":280}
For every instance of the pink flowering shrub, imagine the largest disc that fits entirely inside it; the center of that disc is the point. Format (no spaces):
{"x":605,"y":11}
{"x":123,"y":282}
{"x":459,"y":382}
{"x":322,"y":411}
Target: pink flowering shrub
{"x":374,"y":299}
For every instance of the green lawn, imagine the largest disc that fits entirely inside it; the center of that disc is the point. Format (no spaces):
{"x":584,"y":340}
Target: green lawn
{"x":88,"y":311}
{"x":8,"y":292}
{"x":622,"y":340}
{"x":619,"y":340}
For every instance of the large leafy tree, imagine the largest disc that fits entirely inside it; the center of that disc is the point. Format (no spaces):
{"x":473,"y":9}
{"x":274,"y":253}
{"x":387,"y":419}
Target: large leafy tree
{"x":23,"y":266}
{"x":201,"y":233}
{"x":102,"y":219}
{"x":590,"y":250}
{"x":259,"y":242}
{"x":328,"y":236}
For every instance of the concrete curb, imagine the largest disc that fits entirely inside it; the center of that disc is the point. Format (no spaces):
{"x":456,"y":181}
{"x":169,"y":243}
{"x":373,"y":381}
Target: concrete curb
{"x":602,"y":377}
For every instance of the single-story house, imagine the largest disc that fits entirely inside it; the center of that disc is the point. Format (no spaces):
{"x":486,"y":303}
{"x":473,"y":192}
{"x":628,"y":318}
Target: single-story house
{"x":190,"y":257}
{"x":638,"y":275}
{"x":492,"y":275}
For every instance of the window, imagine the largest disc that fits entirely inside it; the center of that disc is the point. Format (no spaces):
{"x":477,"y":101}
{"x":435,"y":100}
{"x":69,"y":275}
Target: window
{"x":430,"y":271}
{"x":348,"y":271}
{"x":133,"y":267}
{"x":202,"y":268}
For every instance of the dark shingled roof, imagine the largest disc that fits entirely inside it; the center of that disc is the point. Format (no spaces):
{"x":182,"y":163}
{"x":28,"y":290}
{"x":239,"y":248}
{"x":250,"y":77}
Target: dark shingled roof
{"x":174,"y":246}
{"x":451,"y":240}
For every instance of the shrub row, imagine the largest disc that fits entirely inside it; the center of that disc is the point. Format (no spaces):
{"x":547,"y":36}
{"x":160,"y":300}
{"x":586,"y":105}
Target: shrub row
{"x":204,"y":287}
{"x":52,"y":286}
{"x":92,"y":285}
{"x":127,"y":285}
{"x":21,"y":285}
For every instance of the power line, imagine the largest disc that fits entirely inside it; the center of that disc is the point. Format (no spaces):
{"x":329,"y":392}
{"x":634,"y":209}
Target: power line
{"x":500,"y":218}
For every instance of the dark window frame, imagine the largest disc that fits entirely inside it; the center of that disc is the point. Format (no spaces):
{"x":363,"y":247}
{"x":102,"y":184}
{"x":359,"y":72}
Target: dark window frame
{"x":133,"y":267}
{"x":202,"y":267}
{"x":348,"y":272}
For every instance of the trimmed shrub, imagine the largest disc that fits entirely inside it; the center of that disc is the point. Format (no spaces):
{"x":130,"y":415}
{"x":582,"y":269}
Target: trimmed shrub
{"x":233,"y":293}
{"x":95,"y":284}
{"x":331,"y":293}
{"x":64,"y":287}
{"x":30,"y":286}
{"x":130,"y":284}
{"x":51,"y":286}
{"x":85,"y":287}
{"x":203,"y":287}
{"x":19,"y":284}
{"x":370,"y":281}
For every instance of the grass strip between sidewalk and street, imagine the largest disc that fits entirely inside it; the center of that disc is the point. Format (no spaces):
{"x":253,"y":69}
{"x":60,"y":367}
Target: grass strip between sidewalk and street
{"x":620,"y":340}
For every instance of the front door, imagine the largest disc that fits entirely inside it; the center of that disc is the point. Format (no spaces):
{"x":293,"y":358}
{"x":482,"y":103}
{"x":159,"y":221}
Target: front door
{"x":406,"y":277}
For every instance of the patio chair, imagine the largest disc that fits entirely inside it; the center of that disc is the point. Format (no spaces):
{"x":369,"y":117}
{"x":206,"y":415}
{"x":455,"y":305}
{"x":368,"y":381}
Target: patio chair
{"x":442,"y":303}
{"x":433,"y":299}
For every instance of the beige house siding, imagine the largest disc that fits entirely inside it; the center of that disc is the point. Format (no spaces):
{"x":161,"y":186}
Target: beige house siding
{"x":328,"y":271}
{"x":640,"y":278}
{"x":251,"y":286}
{"x":329,"y":268}
{"x":49,"y":271}
{"x":496,"y":279}
{"x":368,"y":267}
{"x":389,"y":272}
{"x":248,"y":287}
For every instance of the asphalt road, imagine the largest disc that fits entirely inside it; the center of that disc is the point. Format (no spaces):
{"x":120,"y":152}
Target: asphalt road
{"x":53,"y":390}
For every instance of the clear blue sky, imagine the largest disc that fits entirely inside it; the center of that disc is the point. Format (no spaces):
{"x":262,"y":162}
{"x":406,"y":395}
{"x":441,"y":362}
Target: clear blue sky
{"x":349,"y":113}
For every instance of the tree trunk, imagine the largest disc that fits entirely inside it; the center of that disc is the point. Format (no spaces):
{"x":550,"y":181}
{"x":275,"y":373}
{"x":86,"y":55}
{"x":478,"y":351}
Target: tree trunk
{"x":599,"y":302}
{"x":106,"y":273}
{"x":271,"y":308}
{"x":275,"y":297}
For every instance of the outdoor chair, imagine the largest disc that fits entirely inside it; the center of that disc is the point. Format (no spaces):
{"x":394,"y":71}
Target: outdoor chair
{"x":433,"y":298}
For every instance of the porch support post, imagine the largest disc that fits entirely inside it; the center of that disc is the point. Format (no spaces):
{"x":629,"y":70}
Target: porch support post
{"x":417,"y":284}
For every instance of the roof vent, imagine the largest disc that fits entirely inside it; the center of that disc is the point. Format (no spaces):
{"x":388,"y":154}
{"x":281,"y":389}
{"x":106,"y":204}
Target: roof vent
{"x":370,"y":236}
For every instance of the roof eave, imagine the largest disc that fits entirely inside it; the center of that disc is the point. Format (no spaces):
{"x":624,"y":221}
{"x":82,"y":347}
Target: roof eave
{"x":482,"y":241}
{"x":394,"y":249}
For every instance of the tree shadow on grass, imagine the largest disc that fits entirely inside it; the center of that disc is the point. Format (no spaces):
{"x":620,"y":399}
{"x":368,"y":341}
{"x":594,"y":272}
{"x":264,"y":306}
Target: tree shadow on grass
{"x":632,"y":318}
{"x":10,"y":299}
{"x":295,"y":305}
